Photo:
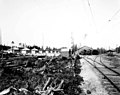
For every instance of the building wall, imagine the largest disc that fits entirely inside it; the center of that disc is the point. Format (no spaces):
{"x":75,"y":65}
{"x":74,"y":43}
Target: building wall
{"x":65,"y":53}
{"x":24,"y":52}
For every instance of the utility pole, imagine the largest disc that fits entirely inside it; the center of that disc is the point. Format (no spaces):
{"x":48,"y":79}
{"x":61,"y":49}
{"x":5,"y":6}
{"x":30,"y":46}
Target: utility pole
{"x":72,"y":43}
{"x":85,"y":38}
{"x":72,"y":39}
{"x":43,"y":39}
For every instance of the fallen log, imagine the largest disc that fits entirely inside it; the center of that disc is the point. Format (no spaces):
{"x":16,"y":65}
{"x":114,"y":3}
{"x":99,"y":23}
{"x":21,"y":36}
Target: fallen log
{"x":46,"y":84}
{"x":8,"y":90}
{"x":60,"y":85}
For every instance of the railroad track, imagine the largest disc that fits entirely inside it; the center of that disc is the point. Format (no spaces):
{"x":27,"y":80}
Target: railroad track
{"x":110,"y":75}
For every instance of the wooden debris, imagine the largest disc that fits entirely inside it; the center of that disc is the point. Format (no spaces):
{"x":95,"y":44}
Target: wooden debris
{"x":58,"y":74}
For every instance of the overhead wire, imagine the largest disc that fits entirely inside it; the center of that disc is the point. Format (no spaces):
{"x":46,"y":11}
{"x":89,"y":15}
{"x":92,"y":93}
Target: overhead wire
{"x":114,"y":15}
{"x":92,"y":15}
{"x":108,"y":21}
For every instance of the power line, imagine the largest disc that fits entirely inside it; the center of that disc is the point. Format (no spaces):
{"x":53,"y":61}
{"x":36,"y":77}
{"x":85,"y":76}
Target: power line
{"x":92,"y":14}
{"x":108,"y":21}
{"x":114,"y":15}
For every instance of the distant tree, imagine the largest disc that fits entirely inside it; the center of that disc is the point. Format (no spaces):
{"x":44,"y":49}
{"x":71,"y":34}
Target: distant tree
{"x":12,"y":42}
{"x":37,"y":47}
{"x":53,"y":49}
{"x":84,"y":52}
{"x":4,"y":47}
{"x":20,"y":43}
{"x":117,"y":49}
{"x":30,"y":47}
{"x":101,"y":50}
{"x":42,"y":48}
{"x":1,"y":47}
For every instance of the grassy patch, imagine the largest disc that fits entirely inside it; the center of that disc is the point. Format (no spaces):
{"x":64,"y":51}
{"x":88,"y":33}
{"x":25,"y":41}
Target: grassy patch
{"x":114,"y":61}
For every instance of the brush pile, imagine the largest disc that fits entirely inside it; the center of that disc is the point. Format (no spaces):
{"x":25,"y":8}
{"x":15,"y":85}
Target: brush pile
{"x":48,"y":76}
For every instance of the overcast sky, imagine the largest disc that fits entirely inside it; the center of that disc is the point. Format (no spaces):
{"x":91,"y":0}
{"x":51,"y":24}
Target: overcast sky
{"x":52,"y":22}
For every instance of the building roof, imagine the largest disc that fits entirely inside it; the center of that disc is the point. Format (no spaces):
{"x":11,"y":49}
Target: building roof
{"x":110,"y":50}
{"x":84,"y":48}
{"x":25,"y":49}
{"x":34,"y":49}
{"x":64,"y":49}
{"x":15,"y":48}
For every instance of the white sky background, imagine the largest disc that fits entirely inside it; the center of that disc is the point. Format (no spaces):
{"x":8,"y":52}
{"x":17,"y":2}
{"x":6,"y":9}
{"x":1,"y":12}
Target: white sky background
{"x":31,"y":21}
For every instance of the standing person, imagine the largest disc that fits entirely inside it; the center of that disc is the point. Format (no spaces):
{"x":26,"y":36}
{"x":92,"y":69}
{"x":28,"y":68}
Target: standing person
{"x":70,"y":53}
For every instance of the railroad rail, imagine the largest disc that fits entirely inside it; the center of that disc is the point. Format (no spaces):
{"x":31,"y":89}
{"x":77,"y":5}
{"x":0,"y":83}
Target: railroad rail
{"x":110,"y":81}
{"x":102,"y":64}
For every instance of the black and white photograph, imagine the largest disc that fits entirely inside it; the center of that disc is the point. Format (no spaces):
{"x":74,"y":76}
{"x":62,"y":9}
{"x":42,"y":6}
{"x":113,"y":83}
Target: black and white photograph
{"x":59,"y":47}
